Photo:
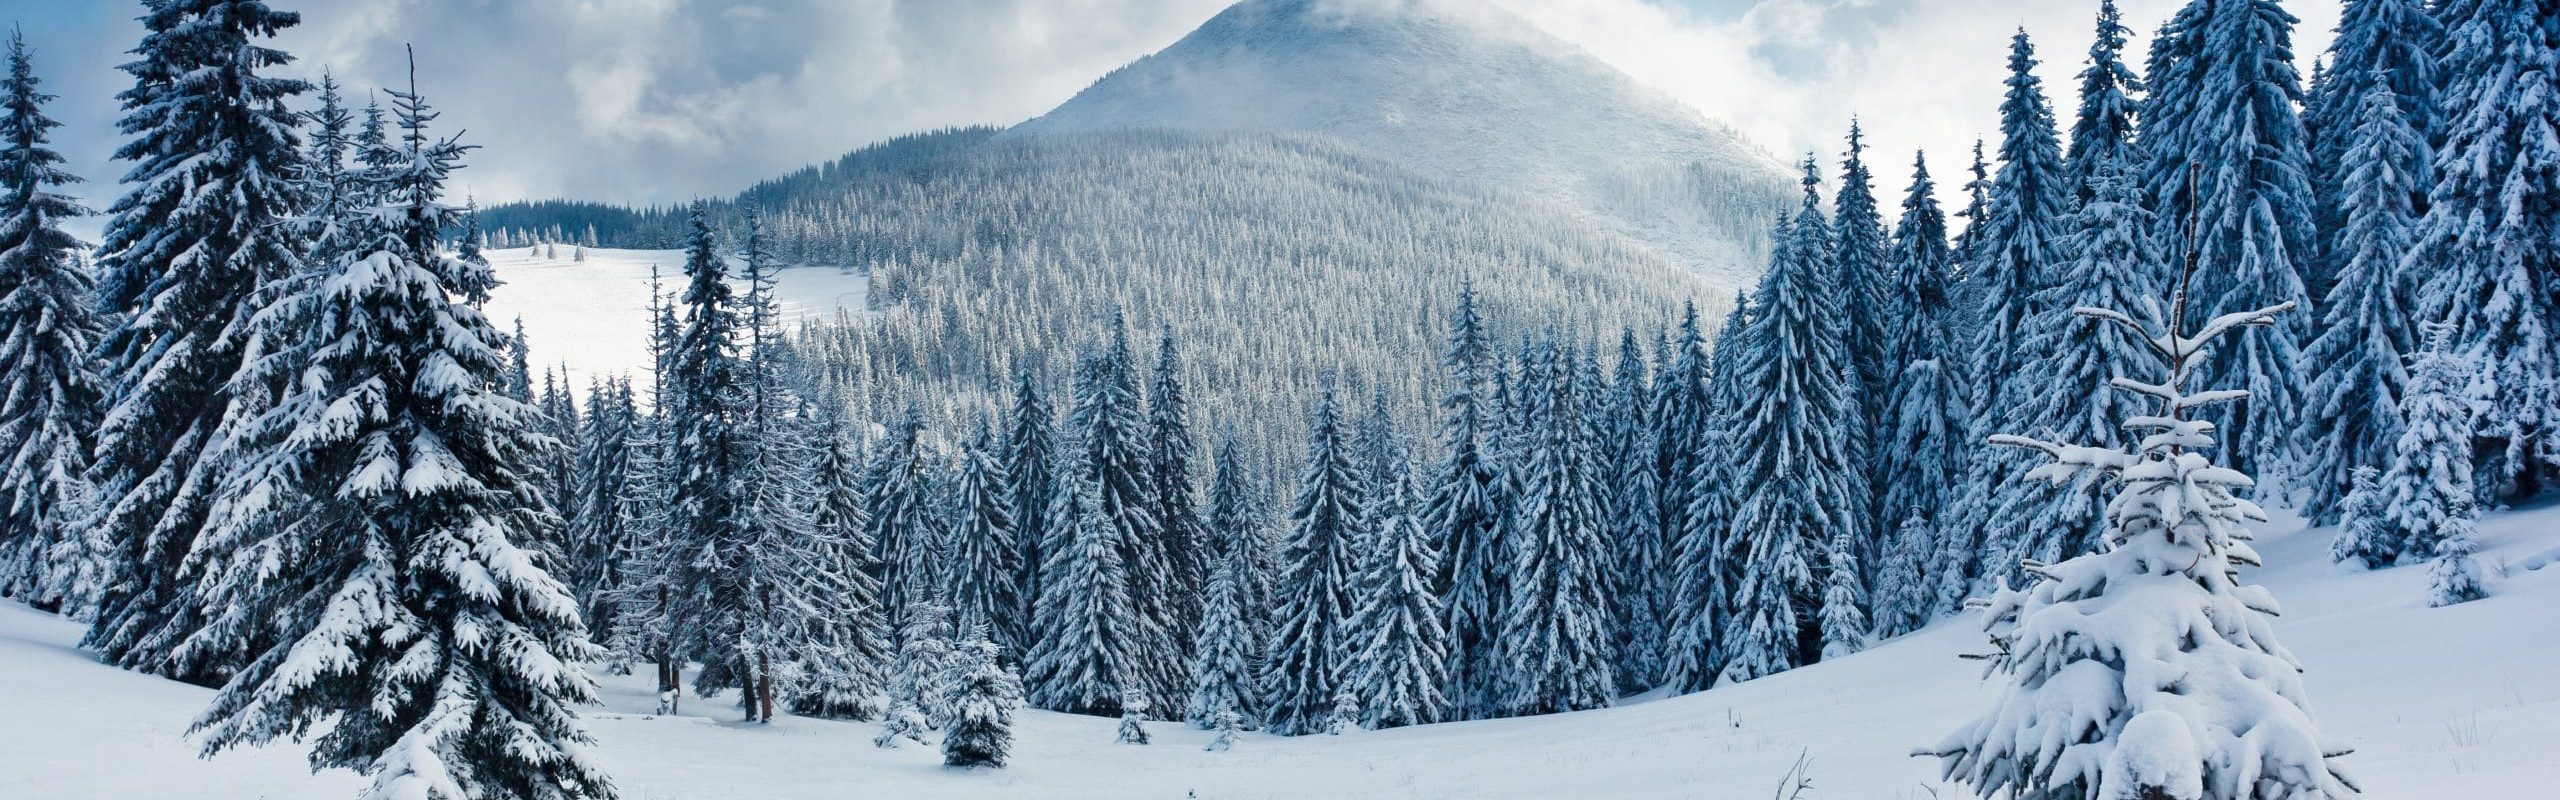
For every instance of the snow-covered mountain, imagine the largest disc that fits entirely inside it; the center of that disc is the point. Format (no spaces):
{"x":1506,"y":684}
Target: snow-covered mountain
{"x":1455,"y":89}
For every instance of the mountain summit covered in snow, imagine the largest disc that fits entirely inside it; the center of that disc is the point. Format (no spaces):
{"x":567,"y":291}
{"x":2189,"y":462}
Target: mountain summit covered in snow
{"x":1455,"y":89}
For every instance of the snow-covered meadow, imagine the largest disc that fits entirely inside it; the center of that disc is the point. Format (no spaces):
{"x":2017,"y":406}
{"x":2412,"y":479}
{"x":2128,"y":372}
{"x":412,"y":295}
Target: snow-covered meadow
{"x":2438,"y":703}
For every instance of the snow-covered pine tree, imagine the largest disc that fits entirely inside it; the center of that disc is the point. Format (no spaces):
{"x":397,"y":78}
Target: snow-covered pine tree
{"x":926,"y":650}
{"x":1639,"y":607}
{"x":1400,"y":652}
{"x":1844,"y":624}
{"x":1922,"y":453}
{"x":1224,"y":684}
{"x":2357,"y":377}
{"x":1555,"y":644}
{"x":1858,"y":258}
{"x":1976,"y":214}
{"x":1684,"y":417}
{"x":2487,"y":250}
{"x":372,"y":528}
{"x":327,"y":185}
{"x":49,"y":388}
{"x":2365,"y":535}
{"x":2072,"y":358}
{"x":2228,"y":153}
{"x":2023,"y":239}
{"x":1081,"y":658}
{"x":2391,"y":45}
{"x":2092,"y":645}
{"x":186,"y":251}
{"x":1133,"y":718}
{"x":1310,"y":649}
{"x":2427,"y":490}
{"x":599,"y":532}
{"x":2103,"y":130}
{"x":907,"y":543}
{"x":1110,"y":462}
{"x":1796,"y":463}
{"x":1030,"y":454}
{"x":984,"y":693}
{"x":558,"y":475}
{"x":519,"y":375}
{"x":1466,"y":521}
{"x":710,"y":480}
{"x":838,"y":671}
{"x":981,"y":585}
{"x":1170,"y":450}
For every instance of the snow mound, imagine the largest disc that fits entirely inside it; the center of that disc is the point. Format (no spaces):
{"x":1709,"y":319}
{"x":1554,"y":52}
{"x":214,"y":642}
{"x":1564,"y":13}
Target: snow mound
{"x":2437,"y":702}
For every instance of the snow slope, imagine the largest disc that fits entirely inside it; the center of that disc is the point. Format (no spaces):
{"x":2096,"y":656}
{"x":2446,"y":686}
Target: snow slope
{"x":593,"y":315}
{"x":1456,"y":89}
{"x":2453,"y":702}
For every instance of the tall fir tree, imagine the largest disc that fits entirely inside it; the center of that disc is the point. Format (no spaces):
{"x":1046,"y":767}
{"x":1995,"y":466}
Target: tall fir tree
{"x":1030,"y":455}
{"x":1230,"y":639}
{"x":1170,"y":451}
{"x":185,"y":254}
{"x":2387,"y":45}
{"x":1310,"y":649}
{"x":600,"y":531}
{"x":1922,"y":453}
{"x":907,"y":544}
{"x":839,"y":667}
{"x":49,"y":387}
{"x":2488,"y":249}
{"x":1859,"y":244}
{"x":2103,"y":131}
{"x":1640,"y":556}
{"x":2365,"y":325}
{"x":1110,"y":462}
{"x":709,"y":494}
{"x":1797,"y":467}
{"x":1084,"y":658}
{"x":372,"y":528}
{"x":1682,"y":417}
{"x":1555,"y":641}
{"x":981,"y":586}
{"x":1466,"y":521}
{"x":1399,"y":653}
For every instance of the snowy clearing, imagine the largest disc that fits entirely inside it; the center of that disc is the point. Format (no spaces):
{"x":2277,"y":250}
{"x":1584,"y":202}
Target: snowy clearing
{"x":594,"y":315}
{"x":2442,"y":702}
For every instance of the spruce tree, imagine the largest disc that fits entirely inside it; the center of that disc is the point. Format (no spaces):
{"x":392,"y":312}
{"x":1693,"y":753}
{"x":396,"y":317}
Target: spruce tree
{"x":907,"y":543}
{"x":2086,"y":713}
{"x":1796,"y":464}
{"x":1922,"y":454}
{"x":1399,"y":651}
{"x":2426,"y":489}
{"x":1859,"y":255}
{"x":2487,"y":254}
{"x":984,"y":693}
{"x":1844,"y":624}
{"x":1084,"y":655}
{"x":1223,"y":682}
{"x":710,"y":501}
{"x":2385,"y":45}
{"x":2365,"y":535}
{"x":373,"y":527}
{"x":1310,"y":651}
{"x":599,"y":534}
{"x":1170,"y":451}
{"x":2102,"y":132}
{"x":1683,"y":415}
{"x":49,"y":387}
{"x":186,"y":251}
{"x":981,"y":588}
{"x":840,"y":663}
{"x":1555,"y":625}
{"x":1029,"y":457}
{"x":1640,"y":556}
{"x":1466,"y":521}
{"x":1110,"y":462}
{"x":2357,"y":380}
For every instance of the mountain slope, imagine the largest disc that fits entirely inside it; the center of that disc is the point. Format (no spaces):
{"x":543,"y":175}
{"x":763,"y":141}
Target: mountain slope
{"x":2437,"y":702}
{"x":1456,"y":89}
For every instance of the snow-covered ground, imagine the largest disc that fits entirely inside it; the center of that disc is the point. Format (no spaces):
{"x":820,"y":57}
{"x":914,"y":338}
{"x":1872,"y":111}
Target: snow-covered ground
{"x":2439,"y":703}
{"x":594,"y":315}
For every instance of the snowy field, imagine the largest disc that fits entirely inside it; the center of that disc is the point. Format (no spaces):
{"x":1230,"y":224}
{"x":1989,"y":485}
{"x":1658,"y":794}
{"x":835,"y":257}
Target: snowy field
{"x":594,"y":315}
{"x":2439,"y":703}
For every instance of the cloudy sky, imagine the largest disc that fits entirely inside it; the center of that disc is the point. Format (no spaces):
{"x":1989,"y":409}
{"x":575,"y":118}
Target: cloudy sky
{"x":647,"y":101}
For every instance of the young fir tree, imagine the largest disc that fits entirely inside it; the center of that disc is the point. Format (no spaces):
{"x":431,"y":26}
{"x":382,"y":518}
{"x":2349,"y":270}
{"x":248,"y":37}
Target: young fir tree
{"x":2357,"y":379}
{"x":1029,"y":455}
{"x":2226,"y":151}
{"x":1111,"y":465}
{"x":600,"y":531}
{"x":1170,"y":450}
{"x":981,"y":588}
{"x":1555,"y":625}
{"x":49,"y":389}
{"x":2365,"y":535}
{"x":187,"y":248}
{"x":2487,"y":251}
{"x":1922,"y":454}
{"x":926,"y":650}
{"x":839,"y":664}
{"x":372,"y":527}
{"x":1311,"y":649}
{"x":1844,"y":625}
{"x":2073,"y":358}
{"x":2088,"y":641}
{"x":1683,"y":418}
{"x":1464,"y":517}
{"x":1133,"y":719}
{"x":2024,"y":237}
{"x":1399,"y":651}
{"x":1224,"y":685}
{"x":2426,"y":492}
{"x":2102,"y":132}
{"x":1082,"y":656}
{"x":984,"y":693}
{"x":1640,"y":556}
{"x":908,"y":548}
{"x":519,"y":375}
